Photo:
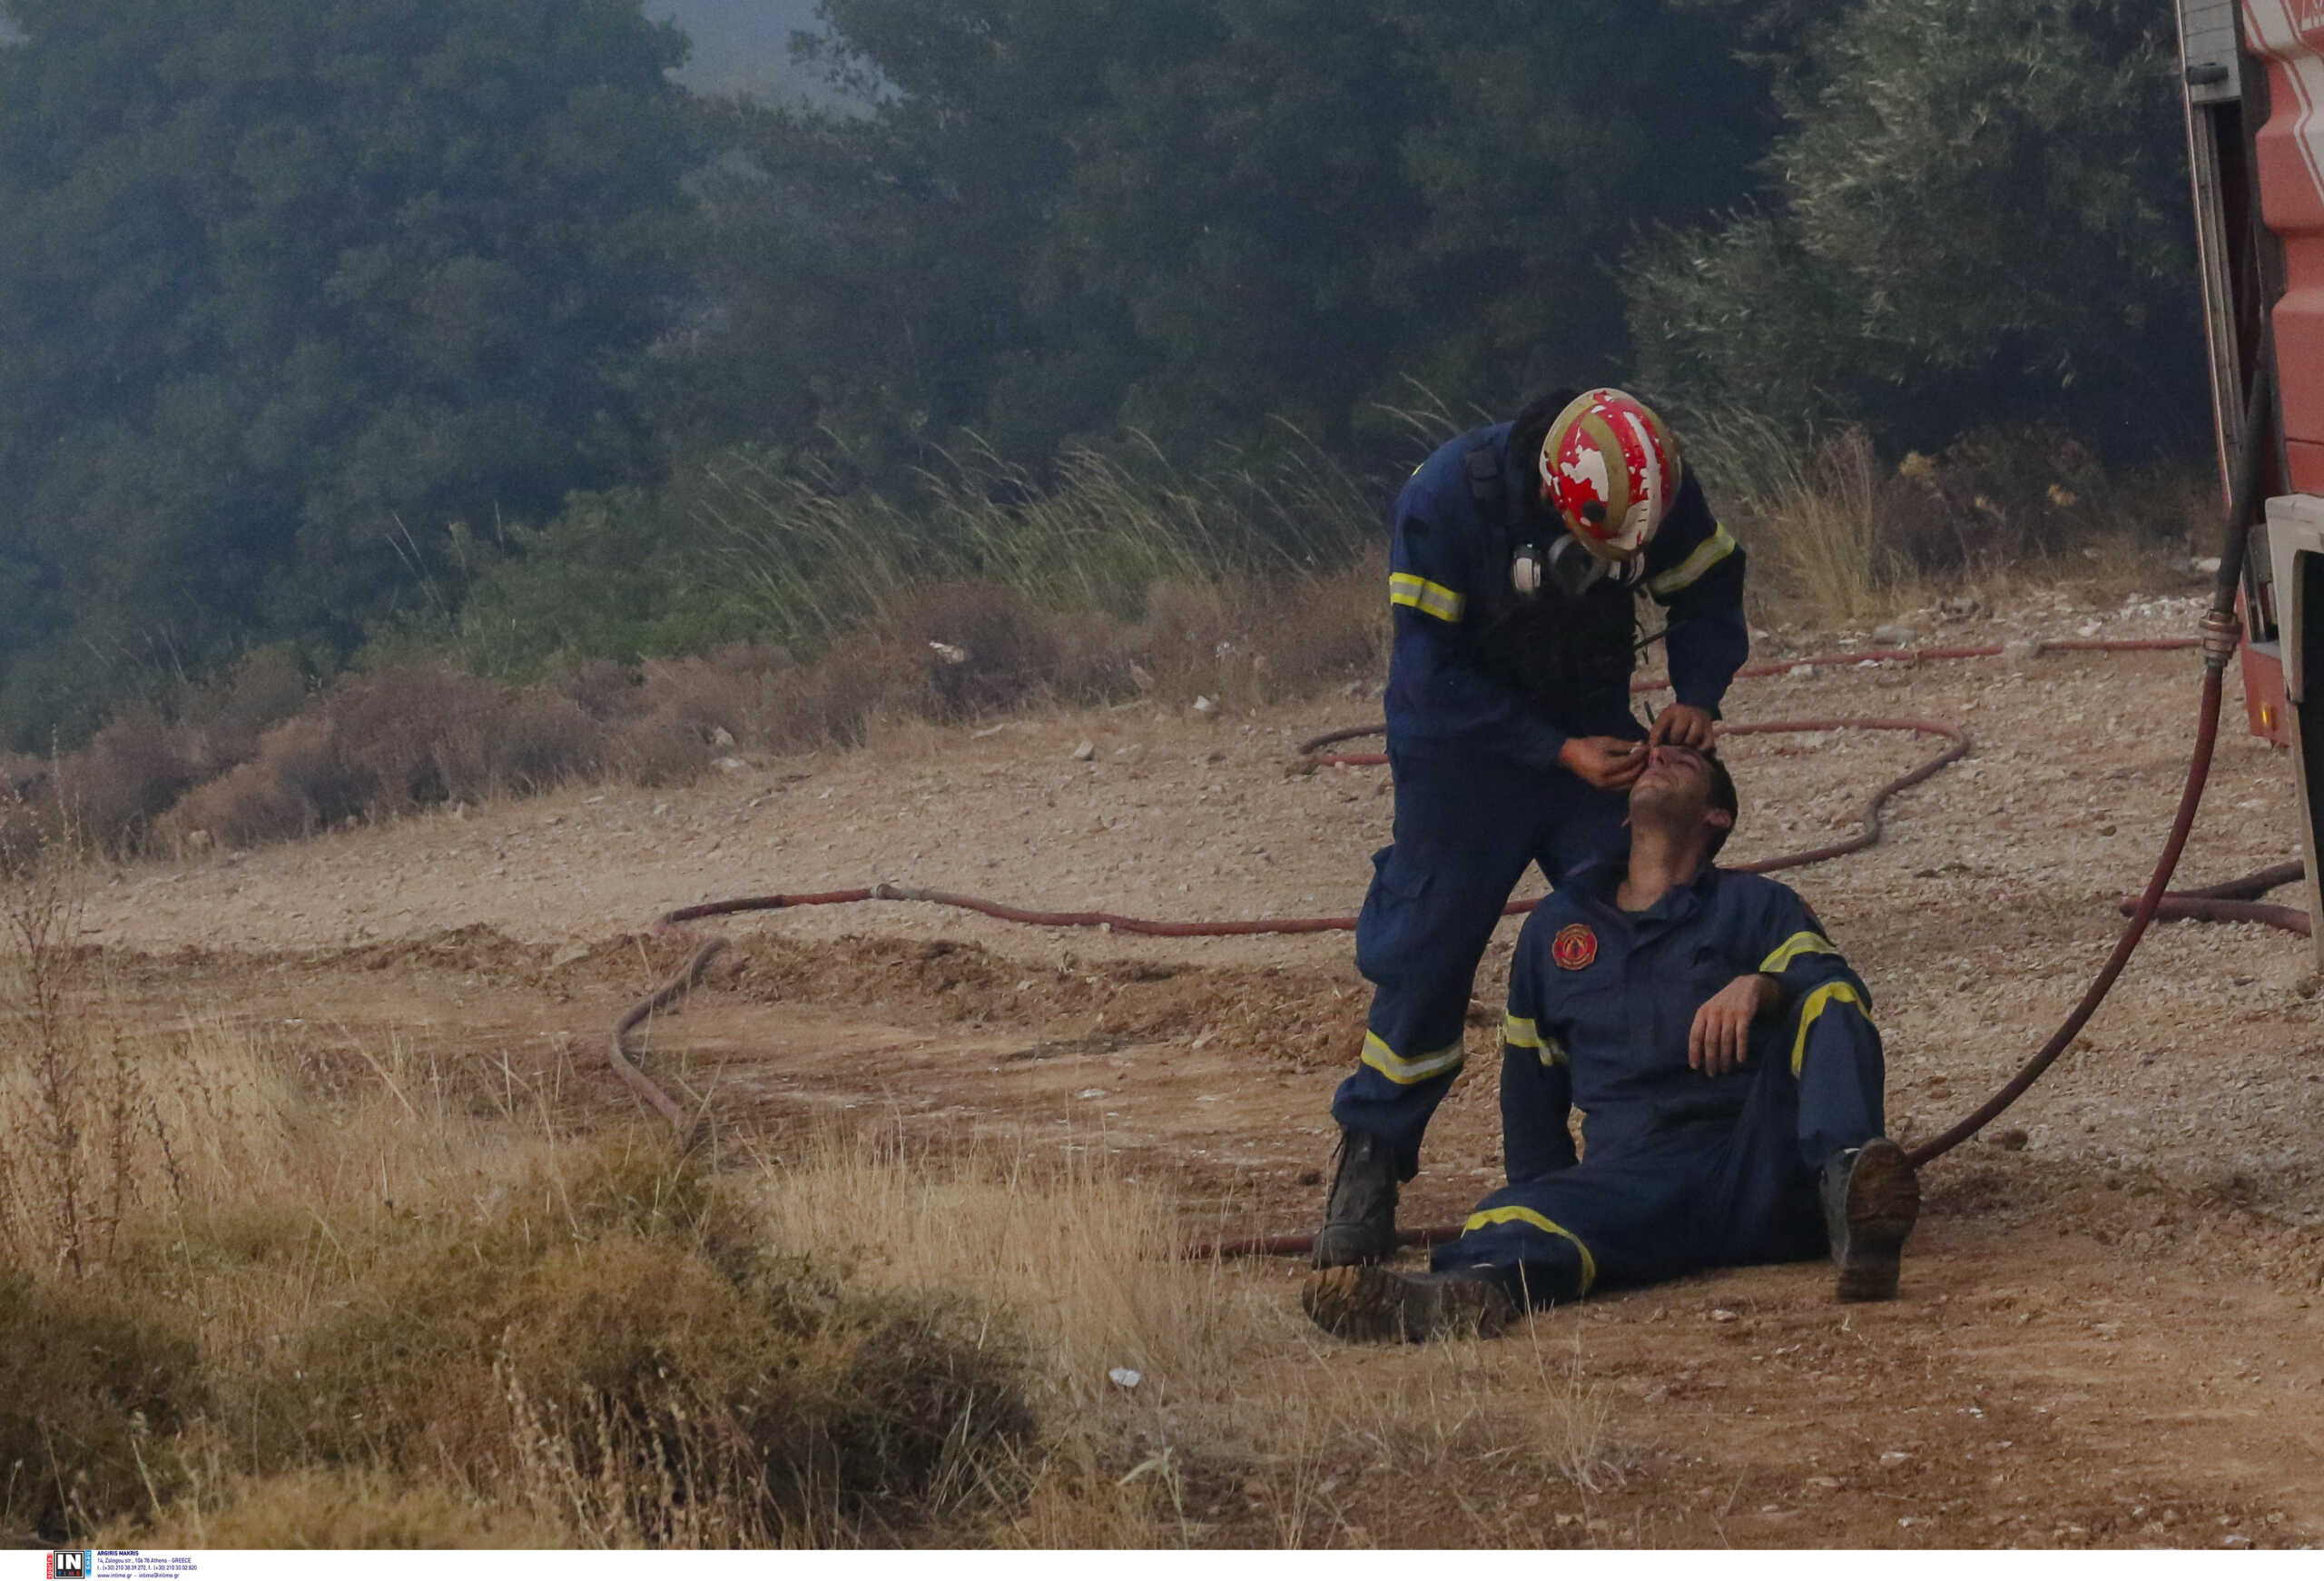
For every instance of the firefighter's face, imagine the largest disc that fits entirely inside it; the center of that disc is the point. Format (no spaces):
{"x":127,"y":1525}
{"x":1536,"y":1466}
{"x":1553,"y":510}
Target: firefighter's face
{"x":1676,"y":785}
{"x":1678,"y":768}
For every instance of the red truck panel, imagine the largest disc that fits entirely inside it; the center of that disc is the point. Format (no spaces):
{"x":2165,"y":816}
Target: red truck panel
{"x":2289,"y":36}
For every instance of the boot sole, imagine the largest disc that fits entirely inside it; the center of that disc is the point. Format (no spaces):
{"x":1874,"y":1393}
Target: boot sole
{"x":1355,"y":1301}
{"x":1883,"y":1204}
{"x":1372,"y":1305}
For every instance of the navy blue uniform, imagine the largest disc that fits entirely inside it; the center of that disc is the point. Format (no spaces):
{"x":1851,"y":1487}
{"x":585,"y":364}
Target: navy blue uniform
{"x":1484,"y":690}
{"x":1679,"y":1171}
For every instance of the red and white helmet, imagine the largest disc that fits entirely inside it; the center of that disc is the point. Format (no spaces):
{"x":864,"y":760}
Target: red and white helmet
{"x":1611,"y":469}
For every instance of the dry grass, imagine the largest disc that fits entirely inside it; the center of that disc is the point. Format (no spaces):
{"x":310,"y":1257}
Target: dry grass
{"x":1243,"y":1420}
{"x":1825,"y":529}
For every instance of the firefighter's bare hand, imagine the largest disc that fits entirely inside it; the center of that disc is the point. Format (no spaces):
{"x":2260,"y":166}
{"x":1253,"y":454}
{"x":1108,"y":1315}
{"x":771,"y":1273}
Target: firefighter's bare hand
{"x":1607,"y":762}
{"x":1720,"y":1039}
{"x":1682,"y":725}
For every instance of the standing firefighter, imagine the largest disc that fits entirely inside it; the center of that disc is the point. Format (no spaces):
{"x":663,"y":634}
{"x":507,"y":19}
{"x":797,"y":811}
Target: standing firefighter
{"x":1519,"y":553}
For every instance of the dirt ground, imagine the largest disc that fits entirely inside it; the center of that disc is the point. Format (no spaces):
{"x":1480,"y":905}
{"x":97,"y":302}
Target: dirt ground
{"x":2109,"y":1332}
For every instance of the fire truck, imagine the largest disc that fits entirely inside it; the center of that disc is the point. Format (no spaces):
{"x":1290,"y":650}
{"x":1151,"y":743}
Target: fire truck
{"x":2254,"y":81}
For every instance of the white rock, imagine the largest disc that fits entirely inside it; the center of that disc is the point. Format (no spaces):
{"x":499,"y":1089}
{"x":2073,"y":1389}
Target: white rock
{"x":1085,"y":752}
{"x":1894,"y":636}
{"x":1206,"y":705}
{"x":722,"y":737}
{"x":948,"y":654}
{"x":1125,"y":1377}
{"x":732,"y":765}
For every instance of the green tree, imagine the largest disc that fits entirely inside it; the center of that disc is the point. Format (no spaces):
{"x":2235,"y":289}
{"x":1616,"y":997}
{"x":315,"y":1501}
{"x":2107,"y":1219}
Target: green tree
{"x":1051,"y":218}
{"x":1977,"y":210}
{"x":290,"y":285}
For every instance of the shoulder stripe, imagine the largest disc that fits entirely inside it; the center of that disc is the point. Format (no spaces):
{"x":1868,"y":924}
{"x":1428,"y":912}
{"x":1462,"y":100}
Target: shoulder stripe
{"x":1794,"y":947}
{"x":1428,"y":597}
{"x":1689,"y":571}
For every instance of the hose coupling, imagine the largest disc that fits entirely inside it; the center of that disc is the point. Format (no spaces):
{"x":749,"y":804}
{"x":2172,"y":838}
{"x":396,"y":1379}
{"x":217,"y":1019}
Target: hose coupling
{"x":2222,"y":634}
{"x":883,"y":890}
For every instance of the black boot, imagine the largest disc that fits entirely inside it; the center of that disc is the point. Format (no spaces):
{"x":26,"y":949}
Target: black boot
{"x":1360,"y":1215}
{"x":1871,"y":1198}
{"x":1379,"y":1304}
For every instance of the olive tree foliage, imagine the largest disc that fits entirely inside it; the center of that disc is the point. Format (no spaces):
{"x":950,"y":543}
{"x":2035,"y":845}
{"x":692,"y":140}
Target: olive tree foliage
{"x":1977,"y":209}
{"x":287,"y":288}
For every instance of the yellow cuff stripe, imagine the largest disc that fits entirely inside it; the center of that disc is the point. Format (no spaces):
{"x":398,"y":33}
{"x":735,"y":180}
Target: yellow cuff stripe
{"x":1492,"y":1216}
{"x":1428,"y":597}
{"x":1794,"y":947}
{"x":1402,"y":1071}
{"x":1521,"y":1033}
{"x":1813,"y":1006}
{"x":1687,"y":572}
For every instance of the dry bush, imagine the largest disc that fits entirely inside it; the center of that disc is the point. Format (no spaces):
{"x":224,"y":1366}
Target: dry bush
{"x":261,"y":801}
{"x":1335,"y":631}
{"x":688,"y":713}
{"x":605,"y":1345}
{"x":1825,"y":526}
{"x":411,"y":737}
{"x":264,"y":689}
{"x":145,"y":759}
{"x":1195,"y":641}
{"x":94,"y":1382}
{"x":132,"y":771}
{"x":388,"y":743}
{"x":983,"y":646}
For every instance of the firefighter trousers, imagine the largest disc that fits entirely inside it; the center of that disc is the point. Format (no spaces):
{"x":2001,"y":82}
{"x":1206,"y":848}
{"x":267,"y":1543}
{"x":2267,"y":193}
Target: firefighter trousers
{"x":1651,"y":1202}
{"x":1466,"y":826}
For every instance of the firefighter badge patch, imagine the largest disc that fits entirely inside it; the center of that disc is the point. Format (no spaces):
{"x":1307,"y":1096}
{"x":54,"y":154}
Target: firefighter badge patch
{"x":1574,"y":947}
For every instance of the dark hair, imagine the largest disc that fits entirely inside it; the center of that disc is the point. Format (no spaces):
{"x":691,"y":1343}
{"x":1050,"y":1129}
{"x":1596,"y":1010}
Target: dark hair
{"x":1722,"y":796}
{"x":1532,"y":423}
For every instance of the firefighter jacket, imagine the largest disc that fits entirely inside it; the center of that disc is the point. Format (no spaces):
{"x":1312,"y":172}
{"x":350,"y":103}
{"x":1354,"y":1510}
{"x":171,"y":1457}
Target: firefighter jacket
{"x":1604,"y":1001}
{"x":1477,"y":668}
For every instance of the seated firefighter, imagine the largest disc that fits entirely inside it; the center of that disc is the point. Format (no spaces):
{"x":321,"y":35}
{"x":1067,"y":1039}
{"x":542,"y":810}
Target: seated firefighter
{"x":1730,"y":1077}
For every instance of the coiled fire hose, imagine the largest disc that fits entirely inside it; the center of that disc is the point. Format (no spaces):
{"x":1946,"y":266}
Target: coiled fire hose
{"x":2234,"y":901}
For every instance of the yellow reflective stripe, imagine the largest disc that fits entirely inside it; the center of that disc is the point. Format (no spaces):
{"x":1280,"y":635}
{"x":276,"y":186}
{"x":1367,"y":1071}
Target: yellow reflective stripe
{"x":1427,"y":597}
{"x":1522,"y":1033}
{"x":1813,"y":1006}
{"x":1402,"y":1071}
{"x":1708,"y":553}
{"x":1512,"y":1215}
{"x":1794,"y":947}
